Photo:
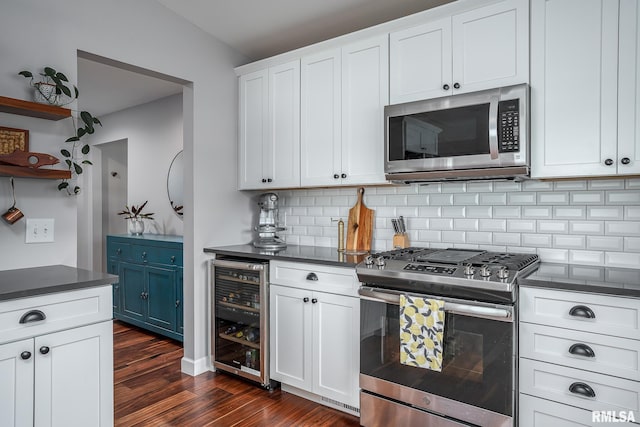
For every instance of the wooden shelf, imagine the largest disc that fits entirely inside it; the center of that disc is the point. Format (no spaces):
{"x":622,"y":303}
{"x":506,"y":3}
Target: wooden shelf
{"x":23,"y":172}
{"x":33,"y":109}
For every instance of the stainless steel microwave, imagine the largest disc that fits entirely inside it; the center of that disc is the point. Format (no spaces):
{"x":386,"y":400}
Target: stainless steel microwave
{"x":479,"y":135}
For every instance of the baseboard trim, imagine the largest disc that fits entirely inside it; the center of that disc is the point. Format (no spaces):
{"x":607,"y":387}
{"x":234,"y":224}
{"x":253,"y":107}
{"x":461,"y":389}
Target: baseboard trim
{"x":194,"y":367}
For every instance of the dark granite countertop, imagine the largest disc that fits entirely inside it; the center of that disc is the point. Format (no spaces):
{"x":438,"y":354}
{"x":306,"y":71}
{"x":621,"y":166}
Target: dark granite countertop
{"x":586,"y":278}
{"x":312,"y":254}
{"x":28,"y":282}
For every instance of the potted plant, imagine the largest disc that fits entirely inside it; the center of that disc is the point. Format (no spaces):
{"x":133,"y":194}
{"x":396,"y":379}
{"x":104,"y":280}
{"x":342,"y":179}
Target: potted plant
{"x":135,"y":217}
{"x":52,"y":89}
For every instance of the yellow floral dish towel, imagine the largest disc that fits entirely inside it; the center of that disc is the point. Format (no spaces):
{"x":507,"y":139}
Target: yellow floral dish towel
{"x":421,"y":332}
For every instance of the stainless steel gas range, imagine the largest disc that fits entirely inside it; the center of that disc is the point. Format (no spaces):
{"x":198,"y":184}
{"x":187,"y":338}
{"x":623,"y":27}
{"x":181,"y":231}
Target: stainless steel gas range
{"x":476,"y":385}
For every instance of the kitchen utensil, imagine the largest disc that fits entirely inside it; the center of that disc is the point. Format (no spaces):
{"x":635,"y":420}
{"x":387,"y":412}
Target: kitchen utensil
{"x":12,"y":214}
{"x":359,"y":226}
{"x":28,"y":159}
{"x":400,"y":239}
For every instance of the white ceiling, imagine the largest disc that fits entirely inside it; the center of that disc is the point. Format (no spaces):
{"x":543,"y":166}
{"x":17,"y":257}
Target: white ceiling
{"x":255,"y":28}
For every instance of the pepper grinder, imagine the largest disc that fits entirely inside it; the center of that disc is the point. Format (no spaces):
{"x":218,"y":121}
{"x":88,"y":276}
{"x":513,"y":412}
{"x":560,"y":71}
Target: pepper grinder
{"x":340,"y":233}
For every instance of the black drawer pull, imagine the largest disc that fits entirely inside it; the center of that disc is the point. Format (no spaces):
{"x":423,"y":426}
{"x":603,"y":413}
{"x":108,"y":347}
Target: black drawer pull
{"x":173,"y":259}
{"x":582,"y":311}
{"x":582,"y":350}
{"x":25,"y":355}
{"x":582,"y":389}
{"x":312,"y":276}
{"x":32,"y":316}
{"x":44,"y":349}
{"x":118,"y":251}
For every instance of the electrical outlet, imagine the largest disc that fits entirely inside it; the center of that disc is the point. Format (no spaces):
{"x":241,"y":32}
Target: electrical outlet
{"x":39,"y":230}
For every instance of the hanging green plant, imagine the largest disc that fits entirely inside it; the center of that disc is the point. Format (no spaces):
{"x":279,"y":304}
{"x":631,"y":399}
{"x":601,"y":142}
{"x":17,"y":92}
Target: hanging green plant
{"x":54,"y":88}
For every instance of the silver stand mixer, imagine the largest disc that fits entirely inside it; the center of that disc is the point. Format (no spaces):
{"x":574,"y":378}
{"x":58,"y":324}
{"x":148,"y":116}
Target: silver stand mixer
{"x":268,"y":224}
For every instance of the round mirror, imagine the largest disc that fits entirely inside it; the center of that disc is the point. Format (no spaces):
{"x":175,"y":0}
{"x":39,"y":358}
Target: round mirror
{"x":175,"y":184}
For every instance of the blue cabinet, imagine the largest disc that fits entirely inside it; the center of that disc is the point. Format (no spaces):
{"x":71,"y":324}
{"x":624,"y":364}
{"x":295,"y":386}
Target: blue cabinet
{"x":149,"y":292}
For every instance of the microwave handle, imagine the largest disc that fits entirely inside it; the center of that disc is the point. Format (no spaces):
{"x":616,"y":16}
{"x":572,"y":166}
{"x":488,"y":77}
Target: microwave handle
{"x":493,"y":127}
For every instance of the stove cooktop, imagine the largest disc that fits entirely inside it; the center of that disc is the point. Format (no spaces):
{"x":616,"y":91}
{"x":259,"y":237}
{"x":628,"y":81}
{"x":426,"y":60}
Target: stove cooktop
{"x":468,"y":273}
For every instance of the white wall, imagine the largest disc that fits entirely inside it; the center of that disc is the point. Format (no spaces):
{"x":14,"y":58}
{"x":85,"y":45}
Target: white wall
{"x":154,"y":136}
{"x":143,"y":33}
{"x":114,"y":175}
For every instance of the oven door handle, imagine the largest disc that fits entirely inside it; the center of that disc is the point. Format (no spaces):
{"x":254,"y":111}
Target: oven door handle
{"x":494,"y":313}
{"x":240,"y":265}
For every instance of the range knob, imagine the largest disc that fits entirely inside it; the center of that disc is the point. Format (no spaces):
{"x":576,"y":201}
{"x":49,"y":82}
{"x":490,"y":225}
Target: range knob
{"x":503,"y":273}
{"x":485,"y":271}
{"x":368,"y":260}
{"x":380,"y":262}
{"x":469,"y":270}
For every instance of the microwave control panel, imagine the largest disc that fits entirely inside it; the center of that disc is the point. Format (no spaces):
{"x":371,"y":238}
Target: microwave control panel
{"x":509,"y":126}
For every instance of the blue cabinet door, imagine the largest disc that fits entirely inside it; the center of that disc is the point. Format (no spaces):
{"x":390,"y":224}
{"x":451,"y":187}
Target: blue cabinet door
{"x":180,"y":303}
{"x":160,"y":305}
{"x":132,"y":291}
{"x":113,"y":267}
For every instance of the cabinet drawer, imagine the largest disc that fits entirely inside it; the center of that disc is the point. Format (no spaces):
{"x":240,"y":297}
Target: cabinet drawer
{"x":314,"y":277}
{"x":615,"y":356}
{"x":118,"y":250}
{"x":612,"y":315}
{"x":535,"y":412}
{"x":554,"y":382}
{"x":157,"y":255}
{"x":62,"y":310}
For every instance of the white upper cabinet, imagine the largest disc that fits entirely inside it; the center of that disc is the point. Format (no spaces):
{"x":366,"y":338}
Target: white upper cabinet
{"x":479,"y":49}
{"x":344,"y":92}
{"x":585,"y":95}
{"x":270,"y":128}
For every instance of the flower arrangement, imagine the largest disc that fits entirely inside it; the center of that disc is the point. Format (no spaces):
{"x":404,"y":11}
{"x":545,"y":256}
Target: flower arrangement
{"x":135,"y":212}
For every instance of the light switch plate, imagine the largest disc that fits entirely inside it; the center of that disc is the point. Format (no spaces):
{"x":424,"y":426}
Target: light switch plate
{"x":39,"y":230}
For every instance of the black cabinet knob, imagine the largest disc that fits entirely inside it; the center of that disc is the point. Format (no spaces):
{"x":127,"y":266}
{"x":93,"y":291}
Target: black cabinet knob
{"x":264,"y":180}
{"x":582,"y":311}
{"x":608,"y":162}
{"x":25,"y":355}
{"x":344,"y":175}
{"x":315,"y":300}
{"x":177,"y":303}
{"x":582,"y":350}
{"x":582,"y":389}
{"x":173,"y":259}
{"x":44,"y":349}
{"x":625,"y":161}
{"x":456,"y":85}
{"x":269,"y":180}
{"x":305,"y":299}
{"x":336,"y":176}
{"x":445,"y":87}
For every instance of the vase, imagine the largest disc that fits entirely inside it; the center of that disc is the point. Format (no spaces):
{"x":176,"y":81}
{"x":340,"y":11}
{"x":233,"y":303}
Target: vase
{"x":45,"y":93}
{"x":136,"y":227}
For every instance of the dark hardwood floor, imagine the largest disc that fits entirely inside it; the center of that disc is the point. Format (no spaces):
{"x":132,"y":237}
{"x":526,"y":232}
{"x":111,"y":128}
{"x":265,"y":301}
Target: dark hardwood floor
{"x":150,"y":390}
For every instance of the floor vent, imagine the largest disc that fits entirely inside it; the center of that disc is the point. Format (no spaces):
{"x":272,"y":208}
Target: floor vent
{"x":340,"y":404}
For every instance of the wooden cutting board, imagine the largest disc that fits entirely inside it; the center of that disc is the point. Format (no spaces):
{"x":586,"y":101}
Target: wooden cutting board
{"x":359,"y":226}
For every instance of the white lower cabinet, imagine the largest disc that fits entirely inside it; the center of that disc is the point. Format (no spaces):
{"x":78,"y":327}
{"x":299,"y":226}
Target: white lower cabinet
{"x":60,"y":378}
{"x":315,"y":341}
{"x":535,"y":412}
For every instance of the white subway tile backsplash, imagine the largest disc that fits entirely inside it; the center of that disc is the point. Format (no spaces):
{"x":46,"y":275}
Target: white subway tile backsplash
{"x":539,"y":212}
{"x":521,"y":198}
{"x":553,"y":198}
{"x":553,"y":226}
{"x":622,"y":228}
{"x":605,"y":243}
{"x":584,"y":222}
{"x":466,"y":224}
{"x":587,"y":197}
{"x":506,"y":212}
{"x":493,"y":199}
{"x":586,"y":257}
{"x":569,"y":212}
{"x":627,"y":197}
{"x":568,"y":241}
{"x":586,"y":227}
{"x":605,"y":212}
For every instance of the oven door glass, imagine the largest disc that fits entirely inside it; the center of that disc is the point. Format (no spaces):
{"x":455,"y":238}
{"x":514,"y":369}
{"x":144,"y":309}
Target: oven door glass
{"x":477,"y":366}
{"x":462,"y":131}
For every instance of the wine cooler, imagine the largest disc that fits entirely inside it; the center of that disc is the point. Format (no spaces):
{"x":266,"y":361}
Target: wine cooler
{"x":240,"y":318}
